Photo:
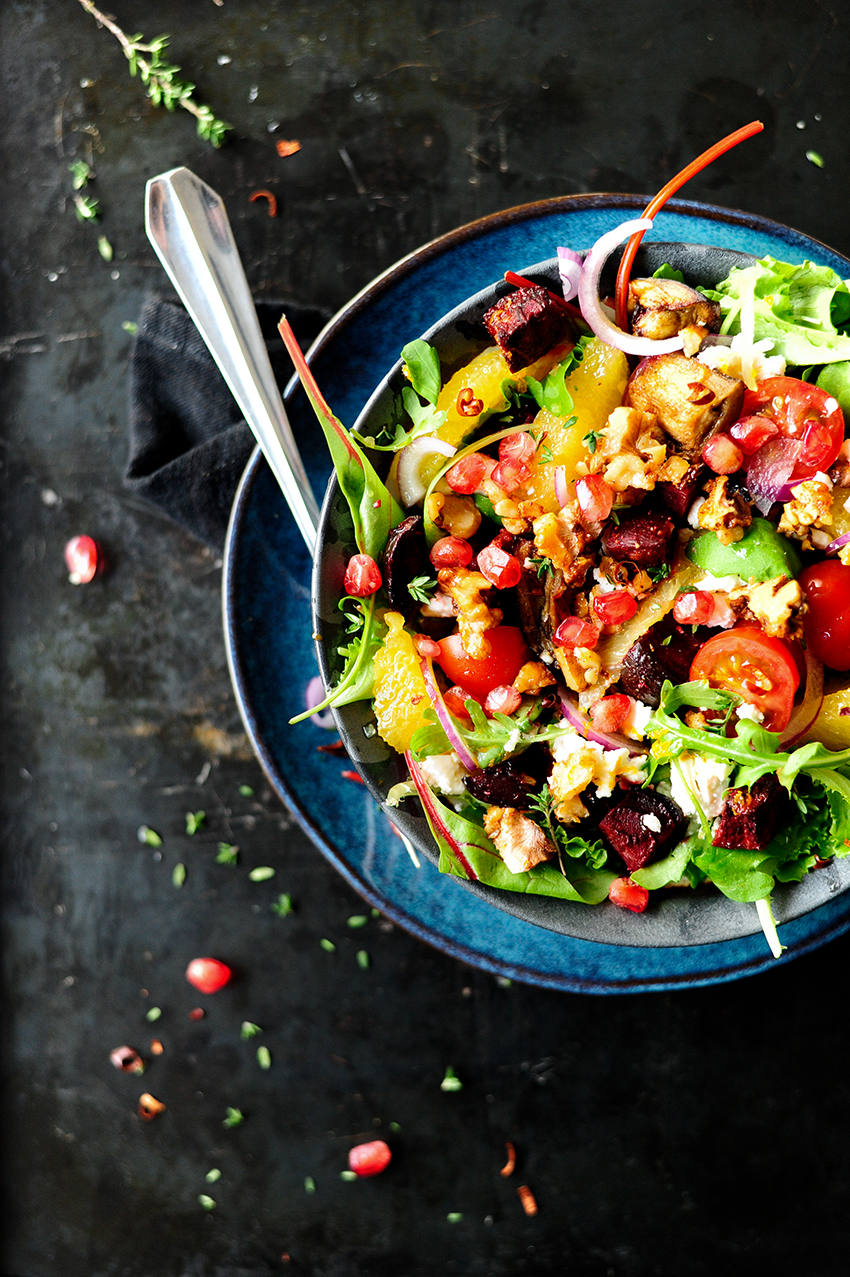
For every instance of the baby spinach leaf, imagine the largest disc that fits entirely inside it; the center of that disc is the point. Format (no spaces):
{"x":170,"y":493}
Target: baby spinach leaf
{"x":670,"y":869}
{"x":423,"y":366}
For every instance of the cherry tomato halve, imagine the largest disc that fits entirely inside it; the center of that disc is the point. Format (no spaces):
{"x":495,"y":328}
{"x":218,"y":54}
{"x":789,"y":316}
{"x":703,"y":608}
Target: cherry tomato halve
{"x":827,"y":620}
{"x":759,"y":669}
{"x":804,"y":413}
{"x":478,"y":676}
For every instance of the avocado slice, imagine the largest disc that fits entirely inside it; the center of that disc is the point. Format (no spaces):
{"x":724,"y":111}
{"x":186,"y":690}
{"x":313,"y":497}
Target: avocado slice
{"x":761,"y":555}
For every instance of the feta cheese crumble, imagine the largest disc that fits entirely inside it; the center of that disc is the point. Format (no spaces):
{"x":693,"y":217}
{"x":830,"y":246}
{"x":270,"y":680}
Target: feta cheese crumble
{"x":706,"y":778}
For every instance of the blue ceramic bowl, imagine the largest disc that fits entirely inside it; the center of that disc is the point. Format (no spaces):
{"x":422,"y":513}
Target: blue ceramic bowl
{"x":673,"y":918}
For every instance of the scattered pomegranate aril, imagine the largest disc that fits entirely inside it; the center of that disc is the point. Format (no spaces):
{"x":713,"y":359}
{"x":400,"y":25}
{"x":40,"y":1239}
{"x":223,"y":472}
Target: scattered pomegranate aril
{"x":609,"y":713}
{"x":369,"y":1159}
{"x":466,"y":475}
{"x":81,"y":557}
{"x":208,"y":975}
{"x":502,"y":700}
{"x":500,"y":568}
{"x":722,"y":455}
{"x":615,"y":608}
{"x":426,"y":647}
{"x":362,"y":576}
{"x":518,"y":447}
{"x":451,"y":552}
{"x":628,"y":895}
{"x":751,"y":432}
{"x":455,"y":701}
{"x":574,"y":632}
{"x":510,"y":475}
{"x":694,"y":608}
{"x":595,"y":498}
{"x":127,"y":1060}
{"x":197,"y":1013}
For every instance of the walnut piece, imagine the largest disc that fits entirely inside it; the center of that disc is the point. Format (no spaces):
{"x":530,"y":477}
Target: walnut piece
{"x":724,"y":514}
{"x":562,"y":539}
{"x":519,"y":841}
{"x":808,"y":514}
{"x":474,"y":616}
{"x":777,"y":605}
{"x":533,"y":677}
{"x":633,"y":450}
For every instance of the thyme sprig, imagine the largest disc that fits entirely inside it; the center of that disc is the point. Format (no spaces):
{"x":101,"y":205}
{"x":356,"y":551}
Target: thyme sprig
{"x":162,"y":79}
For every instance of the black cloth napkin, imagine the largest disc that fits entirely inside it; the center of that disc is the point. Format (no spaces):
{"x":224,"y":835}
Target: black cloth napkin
{"x":189,"y":442}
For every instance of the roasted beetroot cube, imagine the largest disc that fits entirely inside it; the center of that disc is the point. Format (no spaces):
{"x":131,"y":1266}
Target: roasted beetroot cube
{"x":750,"y":817}
{"x":679,"y":497}
{"x":666,"y":651}
{"x":642,"y":826}
{"x":526,"y":324}
{"x":406,"y":558}
{"x":639,"y":538}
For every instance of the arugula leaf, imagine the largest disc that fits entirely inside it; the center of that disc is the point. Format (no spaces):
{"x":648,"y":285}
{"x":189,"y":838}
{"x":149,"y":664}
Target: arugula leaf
{"x":552,"y":393}
{"x":666,"y":271}
{"x":357,"y":681}
{"x":426,"y":421}
{"x":423,"y":367}
{"x":431,"y":739}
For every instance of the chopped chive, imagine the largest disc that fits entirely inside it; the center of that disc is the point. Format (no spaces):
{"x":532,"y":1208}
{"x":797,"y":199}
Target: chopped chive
{"x":213,"y":1175}
{"x":363,"y":960}
{"x":375,"y":913}
{"x":246,"y":791}
{"x":814,"y":158}
{"x":358,"y":920}
{"x":149,"y":836}
{"x":208,"y":1203}
{"x":451,"y":1082}
{"x":105,"y":248}
{"x":309,"y":1184}
{"x":233,"y":1117}
{"x":130,"y":327}
{"x":328,"y":945}
{"x":194,"y":820}
{"x":394,"y":1127}
{"x":227,"y":854}
{"x":178,"y":875}
{"x":153,"y":1014}
{"x":348,"y":1176}
{"x":249,"y":1030}
{"x":264,"y":1057}
{"x":454,"y":1216}
{"x":261,"y":874}
{"x":283,"y":904}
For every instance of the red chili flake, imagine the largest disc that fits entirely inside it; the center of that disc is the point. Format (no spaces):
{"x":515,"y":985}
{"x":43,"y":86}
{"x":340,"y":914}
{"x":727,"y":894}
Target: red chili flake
{"x":352,"y":776}
{"x":525,"y":1195}
{"x":81,"y":556}
{"x":336,"y":748}
{"x":128,"y":1060}
{"x":156,"y":1047}
{"x":197,"y":1014}
{"x":149,"y":1108}
{"x":508,"y":1168}
{"x":467,"y":405}
{"x":266,"y":195}
{"x":208,"y":975}
{"x":285,"y":147}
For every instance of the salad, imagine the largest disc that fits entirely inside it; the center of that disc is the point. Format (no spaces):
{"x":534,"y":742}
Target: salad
{"x":601,"y":599}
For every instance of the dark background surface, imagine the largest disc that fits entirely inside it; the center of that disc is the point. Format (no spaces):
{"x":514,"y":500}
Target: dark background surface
{"x":680,"y":1134}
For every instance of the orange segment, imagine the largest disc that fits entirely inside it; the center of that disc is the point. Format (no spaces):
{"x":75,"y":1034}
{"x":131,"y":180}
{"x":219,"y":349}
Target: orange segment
{"x":484,"y":375}
{"x":401,"y":697}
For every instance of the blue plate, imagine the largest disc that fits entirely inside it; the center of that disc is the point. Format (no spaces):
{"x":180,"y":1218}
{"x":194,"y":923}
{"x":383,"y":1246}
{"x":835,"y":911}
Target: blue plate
{"x":268,"y":624}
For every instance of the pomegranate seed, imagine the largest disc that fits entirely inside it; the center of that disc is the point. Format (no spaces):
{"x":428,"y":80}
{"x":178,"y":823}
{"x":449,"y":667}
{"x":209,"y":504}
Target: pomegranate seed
{"x":694,"y":608}
{"x":468,"y":473}
{"x":197,"y":1013}
{"x":502,"y":700}
{"x":722,"y":455}
{"x":208,"y":975}
{"x":501,"y":569}
{"x":611,"y":712}
{"x":81,"y":558}
{"x":628,"y":895}
{"x":574,"y":632}
{"x":455,"y":700}
{"x":519,"y":447}
{"x":427,"y":647}
{"x":595,"y":498}
{"x":751,"y":432}
{"x":511,"y":474}
{"x":451,"y":552}
{"x":362,"y":576}
{"x":369,"y":1159}
{"x":615,"y":608}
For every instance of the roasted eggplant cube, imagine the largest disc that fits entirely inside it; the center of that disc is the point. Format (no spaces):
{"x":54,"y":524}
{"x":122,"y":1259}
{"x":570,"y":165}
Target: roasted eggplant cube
{"x":690,"y":400}
{"x":526,"y":324}
{"x":660,"y":308}
{"x":750,"y":817}
{"x":642,"y":826}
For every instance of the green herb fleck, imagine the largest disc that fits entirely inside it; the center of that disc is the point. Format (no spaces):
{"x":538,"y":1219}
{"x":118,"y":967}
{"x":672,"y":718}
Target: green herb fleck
{"x":81,"y":174}
{"x":451,"y":1082}
{"x":542,"y":566}
{"x":233,"y":1117}
{"x":814,"y":158}
{"x":87,"y":208}
{"x":105,"y":248}
{"x":422,"y":588}
{"x":249,"y":1030}
{"x":363,"y":960}
{"x":245,"y":791}
{"x":503,"y":981}
{"x":207,"y":1202}
{"x":212,"y":1176}
{"x":547,"y":456}
{"x":357,"y":920}
{"x":328,"y":945}
{"x":262,"y":873}
{"x":130,"y":327}
{"x":153,"y":1013}
{"x":264,"y":1057}
{"x":227,"y":854}
{"x":375,"y":913}
{"x":348,"y":1176}
{"x":591,"y":439}
{"x":659,"y":574}
{"x":665,"y":642}
{"x":309,"y":1184}
{"x":178,"y":875}
{"x":194,"y":820}
{"x":394,"y":1127}
{"x":283,"y":904}
{"x":454,"y":1216}
{"x":147,"y":835}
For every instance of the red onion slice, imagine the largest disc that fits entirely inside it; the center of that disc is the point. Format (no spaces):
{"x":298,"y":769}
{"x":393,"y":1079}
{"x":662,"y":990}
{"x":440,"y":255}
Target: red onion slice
{"x":314,"y":695}
{"x":835,"y":546}
{"x":592,"y":308}
{"x":768,"y":471}
{"x":584,"y":726}
{"x":446,"y":720}
{"x":569,"y":269}
{"x":562,"y":491}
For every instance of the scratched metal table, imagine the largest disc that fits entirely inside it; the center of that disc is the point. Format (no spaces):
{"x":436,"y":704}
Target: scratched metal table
{"x":663,"y":1134}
